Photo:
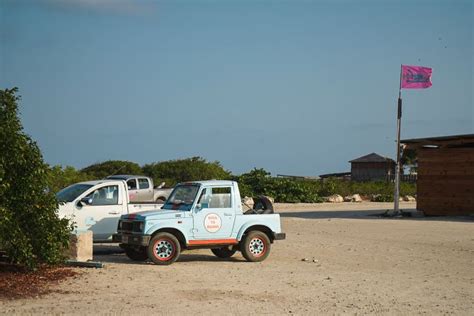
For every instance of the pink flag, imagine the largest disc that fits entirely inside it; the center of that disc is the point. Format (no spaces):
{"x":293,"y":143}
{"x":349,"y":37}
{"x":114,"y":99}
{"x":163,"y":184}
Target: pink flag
{"x":416,"y":77}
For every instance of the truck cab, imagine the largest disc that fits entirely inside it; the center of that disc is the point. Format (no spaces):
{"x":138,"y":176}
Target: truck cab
{"x":141,"y":189}
{"x":97,"y":206}
{"x":201,"y":214}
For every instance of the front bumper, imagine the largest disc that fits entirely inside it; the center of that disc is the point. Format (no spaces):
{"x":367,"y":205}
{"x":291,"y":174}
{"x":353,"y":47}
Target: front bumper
{"x":279,"y":236}
{"x":129,"y":239}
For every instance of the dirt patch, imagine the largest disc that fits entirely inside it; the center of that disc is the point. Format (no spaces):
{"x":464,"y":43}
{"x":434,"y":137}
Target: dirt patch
{"x":16,"y":282}
{"x":357,"y":264}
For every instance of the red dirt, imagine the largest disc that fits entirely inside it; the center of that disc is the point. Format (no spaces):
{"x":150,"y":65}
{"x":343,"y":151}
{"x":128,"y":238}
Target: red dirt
{"x":16,"y":282}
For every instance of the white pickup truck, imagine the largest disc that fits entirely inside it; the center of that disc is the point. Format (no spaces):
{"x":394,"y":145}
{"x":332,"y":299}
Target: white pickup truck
{"x":98,"y":205}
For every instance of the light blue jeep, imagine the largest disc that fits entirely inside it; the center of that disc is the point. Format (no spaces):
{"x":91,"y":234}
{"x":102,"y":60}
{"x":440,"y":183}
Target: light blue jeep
{"x":202,"y":214}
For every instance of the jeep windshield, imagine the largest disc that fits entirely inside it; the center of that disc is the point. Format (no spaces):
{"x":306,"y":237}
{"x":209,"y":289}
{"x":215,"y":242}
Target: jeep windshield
{"x":182,"y":197}
{"x":70,"y":193}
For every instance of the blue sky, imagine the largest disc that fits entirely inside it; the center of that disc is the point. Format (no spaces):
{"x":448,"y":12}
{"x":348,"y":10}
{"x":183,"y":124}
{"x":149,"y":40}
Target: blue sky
{"x":295,"y":87}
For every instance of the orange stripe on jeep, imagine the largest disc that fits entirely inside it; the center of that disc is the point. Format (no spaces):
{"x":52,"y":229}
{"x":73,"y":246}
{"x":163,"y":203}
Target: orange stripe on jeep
{"x":213,"y":242}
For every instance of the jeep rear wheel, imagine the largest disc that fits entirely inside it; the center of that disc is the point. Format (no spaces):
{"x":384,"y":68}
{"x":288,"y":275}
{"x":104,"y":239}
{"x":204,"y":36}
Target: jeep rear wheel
{"x":164,"y":249}
{"x":224,"y":252}
{"x":255,"y":246}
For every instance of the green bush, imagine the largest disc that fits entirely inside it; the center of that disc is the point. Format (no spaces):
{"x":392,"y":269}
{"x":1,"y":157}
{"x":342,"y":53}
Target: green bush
{"x":295,"y":191}
{"x":258,"y":182}
{"x":382,"y":198}
{"x":59,"y":177}
{"x":181,"y":170}
{"x":407,"y":188}
{"x":112,"y":167}
{"x":253,"y":183}
{"x":30,"y":230}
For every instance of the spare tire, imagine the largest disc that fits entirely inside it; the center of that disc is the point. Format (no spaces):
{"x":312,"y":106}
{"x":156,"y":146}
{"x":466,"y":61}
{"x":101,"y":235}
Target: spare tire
{"x":263,"y":205}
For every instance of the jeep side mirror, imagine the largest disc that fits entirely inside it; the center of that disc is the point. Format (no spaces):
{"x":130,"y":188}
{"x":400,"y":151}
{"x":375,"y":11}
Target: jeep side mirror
{"x":201,"y":206}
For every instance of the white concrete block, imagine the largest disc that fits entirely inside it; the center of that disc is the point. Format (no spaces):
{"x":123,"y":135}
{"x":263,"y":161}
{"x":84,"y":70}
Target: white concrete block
{"x":80,"y":246}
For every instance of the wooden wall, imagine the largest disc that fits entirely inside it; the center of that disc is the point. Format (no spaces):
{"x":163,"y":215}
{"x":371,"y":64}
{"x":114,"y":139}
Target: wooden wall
{"x":445,"y":183}
{"x":370,"y":171}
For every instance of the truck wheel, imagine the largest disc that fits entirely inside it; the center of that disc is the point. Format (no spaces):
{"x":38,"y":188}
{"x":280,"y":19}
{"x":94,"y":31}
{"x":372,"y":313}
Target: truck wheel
{"x":136,"y":255}
{"x":224,"y":252}
{"x":164,"y":249}
{"x":160,"y":200}
{"x":255,"y":246}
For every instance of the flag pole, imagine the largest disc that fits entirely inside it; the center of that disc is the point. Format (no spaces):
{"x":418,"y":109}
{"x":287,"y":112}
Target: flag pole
{"x":396,"y":198}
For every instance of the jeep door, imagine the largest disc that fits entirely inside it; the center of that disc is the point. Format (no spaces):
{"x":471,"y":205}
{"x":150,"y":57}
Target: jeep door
{"x":214,"y":214}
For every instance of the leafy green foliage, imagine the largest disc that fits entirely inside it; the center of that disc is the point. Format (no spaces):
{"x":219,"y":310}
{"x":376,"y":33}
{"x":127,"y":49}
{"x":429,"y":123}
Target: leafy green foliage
{"x":30,"y":231}
{"x":60,"y":177}
{"x":382,"y":198}
{"x":258,"y":182}
{"x":295,"y":191}
{"x":112,"y":167}
{"x":181,"y":170}
{"x":409,"y":159}
{"x":254,"y":183}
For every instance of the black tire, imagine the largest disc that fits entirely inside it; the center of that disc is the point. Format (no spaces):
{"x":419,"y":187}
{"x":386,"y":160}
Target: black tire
{"x":255,"y":246}
{"x":164,"y":249}
{"x":263,"y":205}
{"x":136,"y":255}
{"x":160,"y":200}
{"x":224,"y":252}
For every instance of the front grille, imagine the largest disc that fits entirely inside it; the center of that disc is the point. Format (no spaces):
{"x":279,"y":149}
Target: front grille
{"x":131,"y":227}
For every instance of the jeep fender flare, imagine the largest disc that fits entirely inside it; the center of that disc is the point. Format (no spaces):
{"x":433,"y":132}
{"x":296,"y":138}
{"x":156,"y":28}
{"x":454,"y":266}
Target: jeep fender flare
{"x":172,"y":229}
{"x":255,"y":225}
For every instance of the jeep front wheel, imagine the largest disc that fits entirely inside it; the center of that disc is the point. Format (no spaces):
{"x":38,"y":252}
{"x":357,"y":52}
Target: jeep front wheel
{"x":164,"y":249}
{"x":255,"y":246}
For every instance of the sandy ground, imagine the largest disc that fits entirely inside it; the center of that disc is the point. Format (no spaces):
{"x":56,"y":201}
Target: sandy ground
{"x":363,"y":265}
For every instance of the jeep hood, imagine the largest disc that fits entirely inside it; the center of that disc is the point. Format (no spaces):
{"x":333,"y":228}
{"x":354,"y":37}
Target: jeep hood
{"x":152,"y":215}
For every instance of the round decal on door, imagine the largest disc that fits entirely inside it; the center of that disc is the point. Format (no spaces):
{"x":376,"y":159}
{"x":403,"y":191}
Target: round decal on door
{"x":212,"y":222}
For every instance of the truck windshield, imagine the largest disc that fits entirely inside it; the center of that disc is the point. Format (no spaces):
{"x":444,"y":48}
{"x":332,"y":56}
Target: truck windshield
{"x":182,"y":197}
{"x":70,"y":193}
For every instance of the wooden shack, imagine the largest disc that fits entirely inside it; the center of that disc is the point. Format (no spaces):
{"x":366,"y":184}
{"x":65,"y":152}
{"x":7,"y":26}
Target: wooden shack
{"x":445,"y":184}
{"x":372,"y":167}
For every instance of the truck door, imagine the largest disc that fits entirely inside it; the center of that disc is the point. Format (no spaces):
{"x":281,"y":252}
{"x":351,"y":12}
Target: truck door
{"x":214,"y":216}
{"x":101,"y":212}
{"x":132,"y":190}
{"x":145,"y":191}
